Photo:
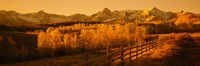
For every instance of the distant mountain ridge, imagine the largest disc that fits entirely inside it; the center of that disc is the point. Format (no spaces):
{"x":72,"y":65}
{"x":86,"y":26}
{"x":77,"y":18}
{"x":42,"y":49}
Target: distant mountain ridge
{"x":11,"y":18}
{"x":106,"y":15}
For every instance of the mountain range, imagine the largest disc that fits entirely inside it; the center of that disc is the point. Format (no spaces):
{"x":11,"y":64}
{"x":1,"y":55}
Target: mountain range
{"x":106,"y":15}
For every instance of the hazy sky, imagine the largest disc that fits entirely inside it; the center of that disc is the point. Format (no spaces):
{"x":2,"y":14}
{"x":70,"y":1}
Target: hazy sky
{"x":69,"y":7}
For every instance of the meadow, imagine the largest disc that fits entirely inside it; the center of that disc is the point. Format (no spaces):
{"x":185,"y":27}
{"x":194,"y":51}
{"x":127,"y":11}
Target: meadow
{"x":81,"y":38}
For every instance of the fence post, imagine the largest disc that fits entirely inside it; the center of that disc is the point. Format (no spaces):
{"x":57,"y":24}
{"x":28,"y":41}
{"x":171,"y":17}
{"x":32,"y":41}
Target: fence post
{"x":137,"y":52}
{"x":122,"y":53}
{"x":142,"y":48}
{"x":145,"y":47}
{"x":109,"y":57}
{"x":130,"y":53}
{"x":153,"y":45}
{"x":156,"y":43}
{"x":150,"y":42}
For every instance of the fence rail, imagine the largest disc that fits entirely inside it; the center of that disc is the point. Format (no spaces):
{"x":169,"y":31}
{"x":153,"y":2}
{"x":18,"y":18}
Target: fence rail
{"x":128,"y":53}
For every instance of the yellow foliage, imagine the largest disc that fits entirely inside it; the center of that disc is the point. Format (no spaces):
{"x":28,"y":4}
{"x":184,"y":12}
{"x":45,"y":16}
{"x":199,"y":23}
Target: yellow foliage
{"x":150,"y":18}
{"x":98,"y":36}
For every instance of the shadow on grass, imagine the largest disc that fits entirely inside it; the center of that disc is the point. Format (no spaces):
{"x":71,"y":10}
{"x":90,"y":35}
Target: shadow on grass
{"x":187,"y":54}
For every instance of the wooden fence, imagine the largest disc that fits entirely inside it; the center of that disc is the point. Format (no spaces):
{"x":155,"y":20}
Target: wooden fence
{"x":121,"y":56}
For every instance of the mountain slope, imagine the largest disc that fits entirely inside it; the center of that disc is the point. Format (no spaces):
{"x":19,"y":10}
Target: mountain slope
{"x":43,"y":17}
{"x":103,"y":16}
{"x":106,"y":15}
{"x":132,"y":15}
{"x":77,"y":18}
{"x":162,"y":15}
{"x":11,"y":18}
{"x":14,"y":18}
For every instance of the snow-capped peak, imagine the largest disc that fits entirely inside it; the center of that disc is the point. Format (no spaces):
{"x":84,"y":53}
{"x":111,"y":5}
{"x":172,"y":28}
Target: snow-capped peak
{"x":41,"y":12}
{"x":106,"y":10}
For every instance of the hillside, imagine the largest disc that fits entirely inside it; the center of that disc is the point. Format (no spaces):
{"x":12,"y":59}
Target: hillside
{"x":106,"y":15}
{"x":11,"y":18}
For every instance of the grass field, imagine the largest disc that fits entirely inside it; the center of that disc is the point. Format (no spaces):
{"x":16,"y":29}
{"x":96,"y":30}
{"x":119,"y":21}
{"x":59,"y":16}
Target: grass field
{"x":169,"y":53}
{"x":58,"y":45}
{"x":182,"y":50}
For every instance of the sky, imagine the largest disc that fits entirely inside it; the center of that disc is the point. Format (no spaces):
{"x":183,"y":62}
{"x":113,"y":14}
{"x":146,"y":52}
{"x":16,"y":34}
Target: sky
{"x":88,"y":7}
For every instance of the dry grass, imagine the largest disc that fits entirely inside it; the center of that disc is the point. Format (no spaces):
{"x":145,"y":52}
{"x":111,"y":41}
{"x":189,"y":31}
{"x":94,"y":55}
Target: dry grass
{"x":174,"y":50}
{"x":57,"y":61}
{"x":81,"y":37}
